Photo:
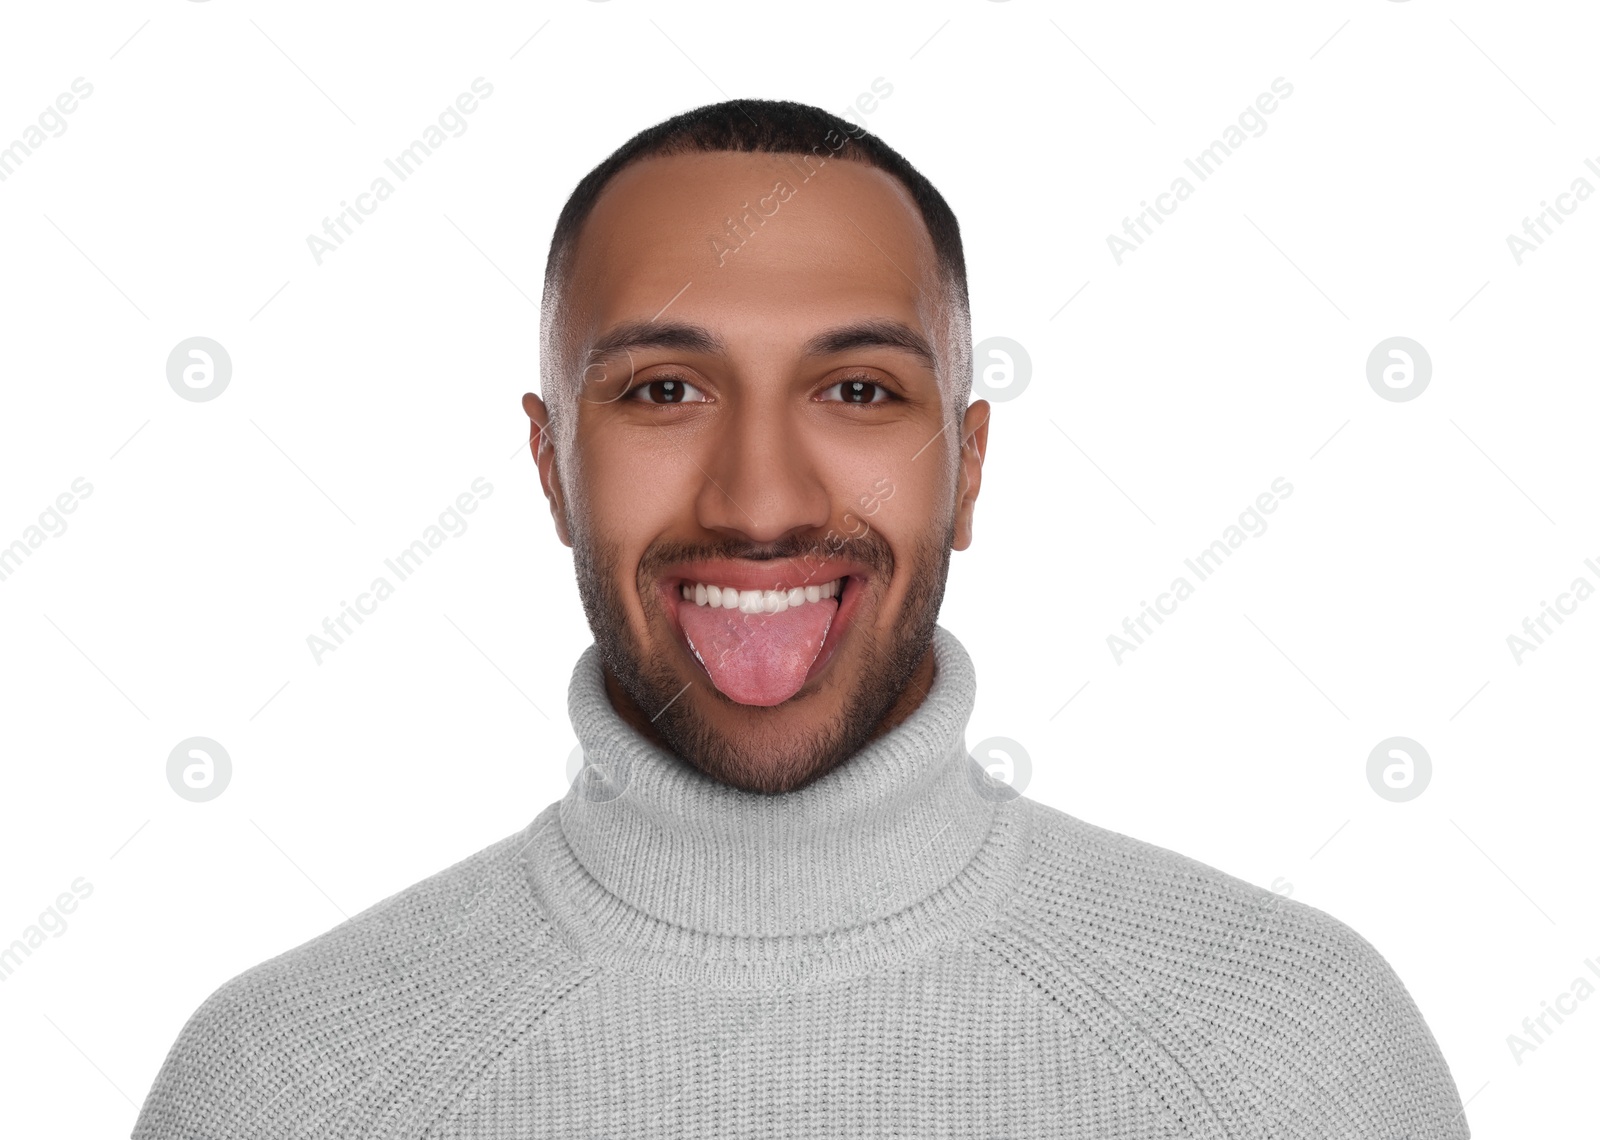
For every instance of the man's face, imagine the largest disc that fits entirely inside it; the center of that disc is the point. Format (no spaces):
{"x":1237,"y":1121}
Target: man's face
{"x":759,"y":423}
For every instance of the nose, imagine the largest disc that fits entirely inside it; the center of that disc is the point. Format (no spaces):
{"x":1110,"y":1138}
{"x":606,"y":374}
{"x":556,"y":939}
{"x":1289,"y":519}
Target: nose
{"x":762,"y":479}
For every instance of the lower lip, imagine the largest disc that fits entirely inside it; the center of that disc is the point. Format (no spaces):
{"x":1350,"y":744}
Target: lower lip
{"x":849,"y":603}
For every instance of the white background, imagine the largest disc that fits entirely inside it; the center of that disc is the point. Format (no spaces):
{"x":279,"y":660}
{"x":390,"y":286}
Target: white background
{"x":369,"y":391}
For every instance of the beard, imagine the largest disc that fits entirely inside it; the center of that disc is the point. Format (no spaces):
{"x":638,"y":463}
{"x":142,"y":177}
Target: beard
{"x":736,"y":751}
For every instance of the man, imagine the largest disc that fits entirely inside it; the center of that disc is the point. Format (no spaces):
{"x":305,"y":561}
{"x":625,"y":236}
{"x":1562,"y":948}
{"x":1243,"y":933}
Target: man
{"x":781,"y":899}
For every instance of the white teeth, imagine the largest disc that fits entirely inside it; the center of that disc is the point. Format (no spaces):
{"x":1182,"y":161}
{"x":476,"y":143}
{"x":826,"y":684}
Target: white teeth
{"x":757,"y":601}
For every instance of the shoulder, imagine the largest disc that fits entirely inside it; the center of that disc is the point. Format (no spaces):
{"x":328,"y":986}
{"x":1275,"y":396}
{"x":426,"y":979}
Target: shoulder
{"x":329,"y":1029}
{"x":1279,"y":1008}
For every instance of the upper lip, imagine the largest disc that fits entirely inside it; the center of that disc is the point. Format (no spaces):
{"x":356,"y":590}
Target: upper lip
{"x":776,"y":574}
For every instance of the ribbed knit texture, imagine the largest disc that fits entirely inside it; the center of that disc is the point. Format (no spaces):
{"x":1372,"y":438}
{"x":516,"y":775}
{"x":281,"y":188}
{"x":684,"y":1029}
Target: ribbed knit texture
{"x":900,"y":949}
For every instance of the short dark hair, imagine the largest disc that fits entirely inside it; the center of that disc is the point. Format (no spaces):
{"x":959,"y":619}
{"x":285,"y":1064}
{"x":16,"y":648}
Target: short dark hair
{"x":772,"y":126}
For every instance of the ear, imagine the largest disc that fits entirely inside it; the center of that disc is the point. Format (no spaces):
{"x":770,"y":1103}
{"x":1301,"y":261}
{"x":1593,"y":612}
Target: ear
{"x":974,"y":442}
{"x":543,"y":447}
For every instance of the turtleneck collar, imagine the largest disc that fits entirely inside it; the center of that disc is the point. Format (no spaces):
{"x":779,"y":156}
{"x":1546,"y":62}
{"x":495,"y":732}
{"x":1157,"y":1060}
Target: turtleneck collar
{"x":892,"y":826}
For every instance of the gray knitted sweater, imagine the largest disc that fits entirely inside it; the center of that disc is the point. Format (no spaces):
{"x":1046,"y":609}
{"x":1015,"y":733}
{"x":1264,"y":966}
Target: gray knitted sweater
{"x":900,"y":949}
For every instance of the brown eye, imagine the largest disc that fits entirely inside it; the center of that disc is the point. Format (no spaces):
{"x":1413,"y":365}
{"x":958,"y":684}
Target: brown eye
{"x":667,"y":390}
{"x":861,"y":390}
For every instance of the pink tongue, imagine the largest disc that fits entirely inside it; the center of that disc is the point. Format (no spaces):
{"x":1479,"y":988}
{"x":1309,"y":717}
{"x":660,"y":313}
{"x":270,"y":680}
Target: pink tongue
{"x":757,"y":659}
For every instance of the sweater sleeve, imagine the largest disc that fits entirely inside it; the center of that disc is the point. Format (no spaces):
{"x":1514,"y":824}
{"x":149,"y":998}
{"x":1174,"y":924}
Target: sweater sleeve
{"x":1351,"y":1055}
{"x":1389,"y":1066}
{"x":208,"y":1086}
{"x":370,"y":1027}
{"x":1249,"y":1013}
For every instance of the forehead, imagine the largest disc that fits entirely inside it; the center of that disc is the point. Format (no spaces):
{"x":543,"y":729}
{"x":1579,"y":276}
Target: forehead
{"x":769,"y":241}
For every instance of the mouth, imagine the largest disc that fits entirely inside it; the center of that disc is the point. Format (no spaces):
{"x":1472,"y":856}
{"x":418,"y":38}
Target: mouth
{"x":761,"y":633}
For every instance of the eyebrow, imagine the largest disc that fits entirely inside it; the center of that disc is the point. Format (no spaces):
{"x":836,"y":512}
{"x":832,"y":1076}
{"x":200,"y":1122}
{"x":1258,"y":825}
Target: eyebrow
{"x":872,"y":333}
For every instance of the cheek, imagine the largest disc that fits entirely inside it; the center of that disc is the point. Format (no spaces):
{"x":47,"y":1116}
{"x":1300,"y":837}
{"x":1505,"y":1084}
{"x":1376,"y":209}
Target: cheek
{"x":900,"y":500}
{"x":627,"y":497}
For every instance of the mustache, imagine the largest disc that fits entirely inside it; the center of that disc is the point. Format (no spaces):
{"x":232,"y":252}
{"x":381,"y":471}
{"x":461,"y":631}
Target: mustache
{"x":869,"y":548}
